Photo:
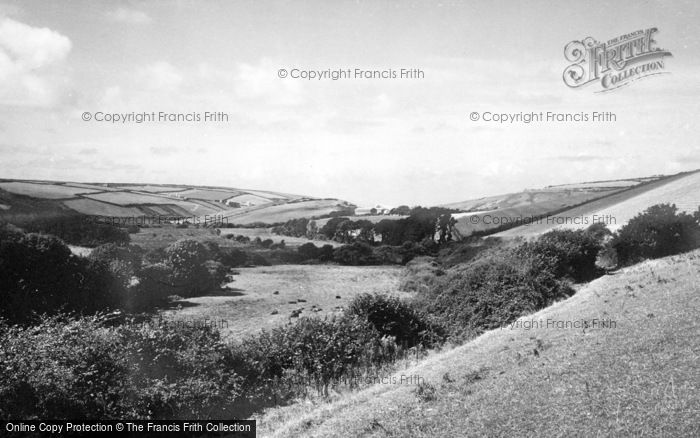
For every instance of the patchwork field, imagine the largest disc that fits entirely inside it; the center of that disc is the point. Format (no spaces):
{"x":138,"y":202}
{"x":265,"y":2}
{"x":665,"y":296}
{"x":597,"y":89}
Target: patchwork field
{"x":46,"y":191}
{"x":618,"y":209}
{"x":248,"y":304}
{"x":637,"y":377}
{"x":126,"y":200}
{"x":284,"y":212}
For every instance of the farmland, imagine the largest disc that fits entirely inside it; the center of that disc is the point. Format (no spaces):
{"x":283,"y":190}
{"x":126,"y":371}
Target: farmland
{"x":682,"y":190}
{"x":134,"y":200}
{"x":248,"y":303}
{"x":488,"y":213}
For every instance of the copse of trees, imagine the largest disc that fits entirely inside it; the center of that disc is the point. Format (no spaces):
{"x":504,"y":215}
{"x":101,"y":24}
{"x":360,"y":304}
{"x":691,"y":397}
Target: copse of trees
{"x":40,"y":275}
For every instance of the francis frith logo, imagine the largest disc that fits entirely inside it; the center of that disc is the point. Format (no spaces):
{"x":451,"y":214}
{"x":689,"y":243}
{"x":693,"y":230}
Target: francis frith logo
{"x":615,"y":63}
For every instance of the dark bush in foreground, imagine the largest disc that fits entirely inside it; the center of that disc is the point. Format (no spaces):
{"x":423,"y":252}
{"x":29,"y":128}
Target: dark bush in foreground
{"x":572,"y":253}
{"x":494,"y":290}
{"x":392,"y":317}
{"x":40,"y":275}
{"x":657,"y":232}
{"x":66,"y":368}
{"x":311,"y":351}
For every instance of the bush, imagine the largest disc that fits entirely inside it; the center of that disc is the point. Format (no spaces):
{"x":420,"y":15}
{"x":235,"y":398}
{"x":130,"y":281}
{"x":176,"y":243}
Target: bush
{"x":78,"y":230}
{"x":322,"y":351}
{"x":355,"y":255}
{"x":572,"y":253}
{"x":494,"y":290}
{"x":66,"y":368}
{"x":189,"y":274}
{"x":308,"y":251}
{"x":40,"y":275}
{"x":392,"y":317}
{"x":657,"y":232}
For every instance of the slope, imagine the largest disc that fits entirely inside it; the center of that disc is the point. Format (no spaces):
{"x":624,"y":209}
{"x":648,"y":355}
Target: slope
{"x":635,"y":376}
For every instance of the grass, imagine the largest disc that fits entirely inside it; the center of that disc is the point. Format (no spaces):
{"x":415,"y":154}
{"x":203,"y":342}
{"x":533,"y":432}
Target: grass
{"x":248,"y":304}
{"x":682,"y":190}
{"x":46,"y":191}
{"x":284,"y":212}
{"x":638,"y":378}
{"x":266,"y":233}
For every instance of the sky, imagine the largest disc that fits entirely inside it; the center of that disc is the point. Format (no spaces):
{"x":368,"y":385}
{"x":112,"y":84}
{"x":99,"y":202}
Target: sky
{"x":369,"y":141}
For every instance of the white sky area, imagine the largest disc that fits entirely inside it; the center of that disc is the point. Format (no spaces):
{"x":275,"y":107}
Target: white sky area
{"x":366,"y":141}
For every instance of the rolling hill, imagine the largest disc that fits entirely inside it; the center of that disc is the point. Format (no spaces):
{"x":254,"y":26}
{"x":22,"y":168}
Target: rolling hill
{"x":617,"y":209}
{"x":531,"y":208}
{"x":27,"y":199}
{"x":632,"y":374}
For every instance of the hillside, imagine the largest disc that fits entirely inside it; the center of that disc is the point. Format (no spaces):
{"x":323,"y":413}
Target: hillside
{"x":617,"y":209}
{"x":24,"y":200}
{"x":637,"y":377}
{"x":487,"y":213}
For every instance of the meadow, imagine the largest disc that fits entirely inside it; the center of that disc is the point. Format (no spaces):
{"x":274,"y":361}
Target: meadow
{"x":249,"y":303}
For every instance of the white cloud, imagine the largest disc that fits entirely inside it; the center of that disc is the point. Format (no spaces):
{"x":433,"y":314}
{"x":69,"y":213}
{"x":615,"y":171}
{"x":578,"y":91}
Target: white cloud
{"x":30,"y":60}
{"x":161,"y":76}
{"x":262,"y":82}
{"x":129,"y":16}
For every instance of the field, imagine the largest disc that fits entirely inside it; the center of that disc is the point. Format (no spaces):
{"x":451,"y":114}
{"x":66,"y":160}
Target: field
{"x":47,"y":191}
{"x":248,"y":303}
{"x":372,"y":218}
{"x":637,"y":377}
{"x":490,"y":212}
{"x":266,"y":233}
{"x":285,"y":212}
{"x":40,"y":198}
{"x":683,"y":190}
{"x":208,"y":195}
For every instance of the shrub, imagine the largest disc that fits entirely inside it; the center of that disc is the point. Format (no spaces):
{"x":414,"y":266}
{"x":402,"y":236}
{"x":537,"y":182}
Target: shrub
{"x":392,"y":317}
{"x":40,"y":275}
{"x":233,"y":257}
{"x":494,"y":290}
{"x":189,"y":274}
{"x":78,"y":230}
{"x":324,"y":351}
{"x":356,"y":254}
{"x":659,"y":231}
{"x":572,"y":253}
{"x":67,"y":368}
{"x":308,"y":251}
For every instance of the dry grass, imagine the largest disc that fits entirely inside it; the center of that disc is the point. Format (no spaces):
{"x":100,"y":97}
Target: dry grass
{"x":266,"y":233}
{"x":639,"y":378}
{"x":683,"y":191}
{"x":45,"y":191}
{"x":248,"y":305}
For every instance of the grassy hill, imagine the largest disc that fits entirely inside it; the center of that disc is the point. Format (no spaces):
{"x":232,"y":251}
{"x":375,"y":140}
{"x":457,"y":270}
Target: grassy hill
{"x":617,"y":209}
{"x":636,"y":376}
{"x":24,"y":200}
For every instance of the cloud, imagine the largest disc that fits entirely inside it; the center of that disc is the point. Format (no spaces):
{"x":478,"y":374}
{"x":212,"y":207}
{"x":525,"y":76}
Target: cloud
{"x":262,"y":82}
{"x":161,"y":76}
{"x":30,"y":59}
{"x":583,"y":158}
{"x":129,"y":16}
{"x":157,"y":150}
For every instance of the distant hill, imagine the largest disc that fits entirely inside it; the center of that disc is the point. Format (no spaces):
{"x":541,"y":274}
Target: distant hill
{"x":531,"y":207}
{"x":616,"y":210}
{"x":22,"y":200}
